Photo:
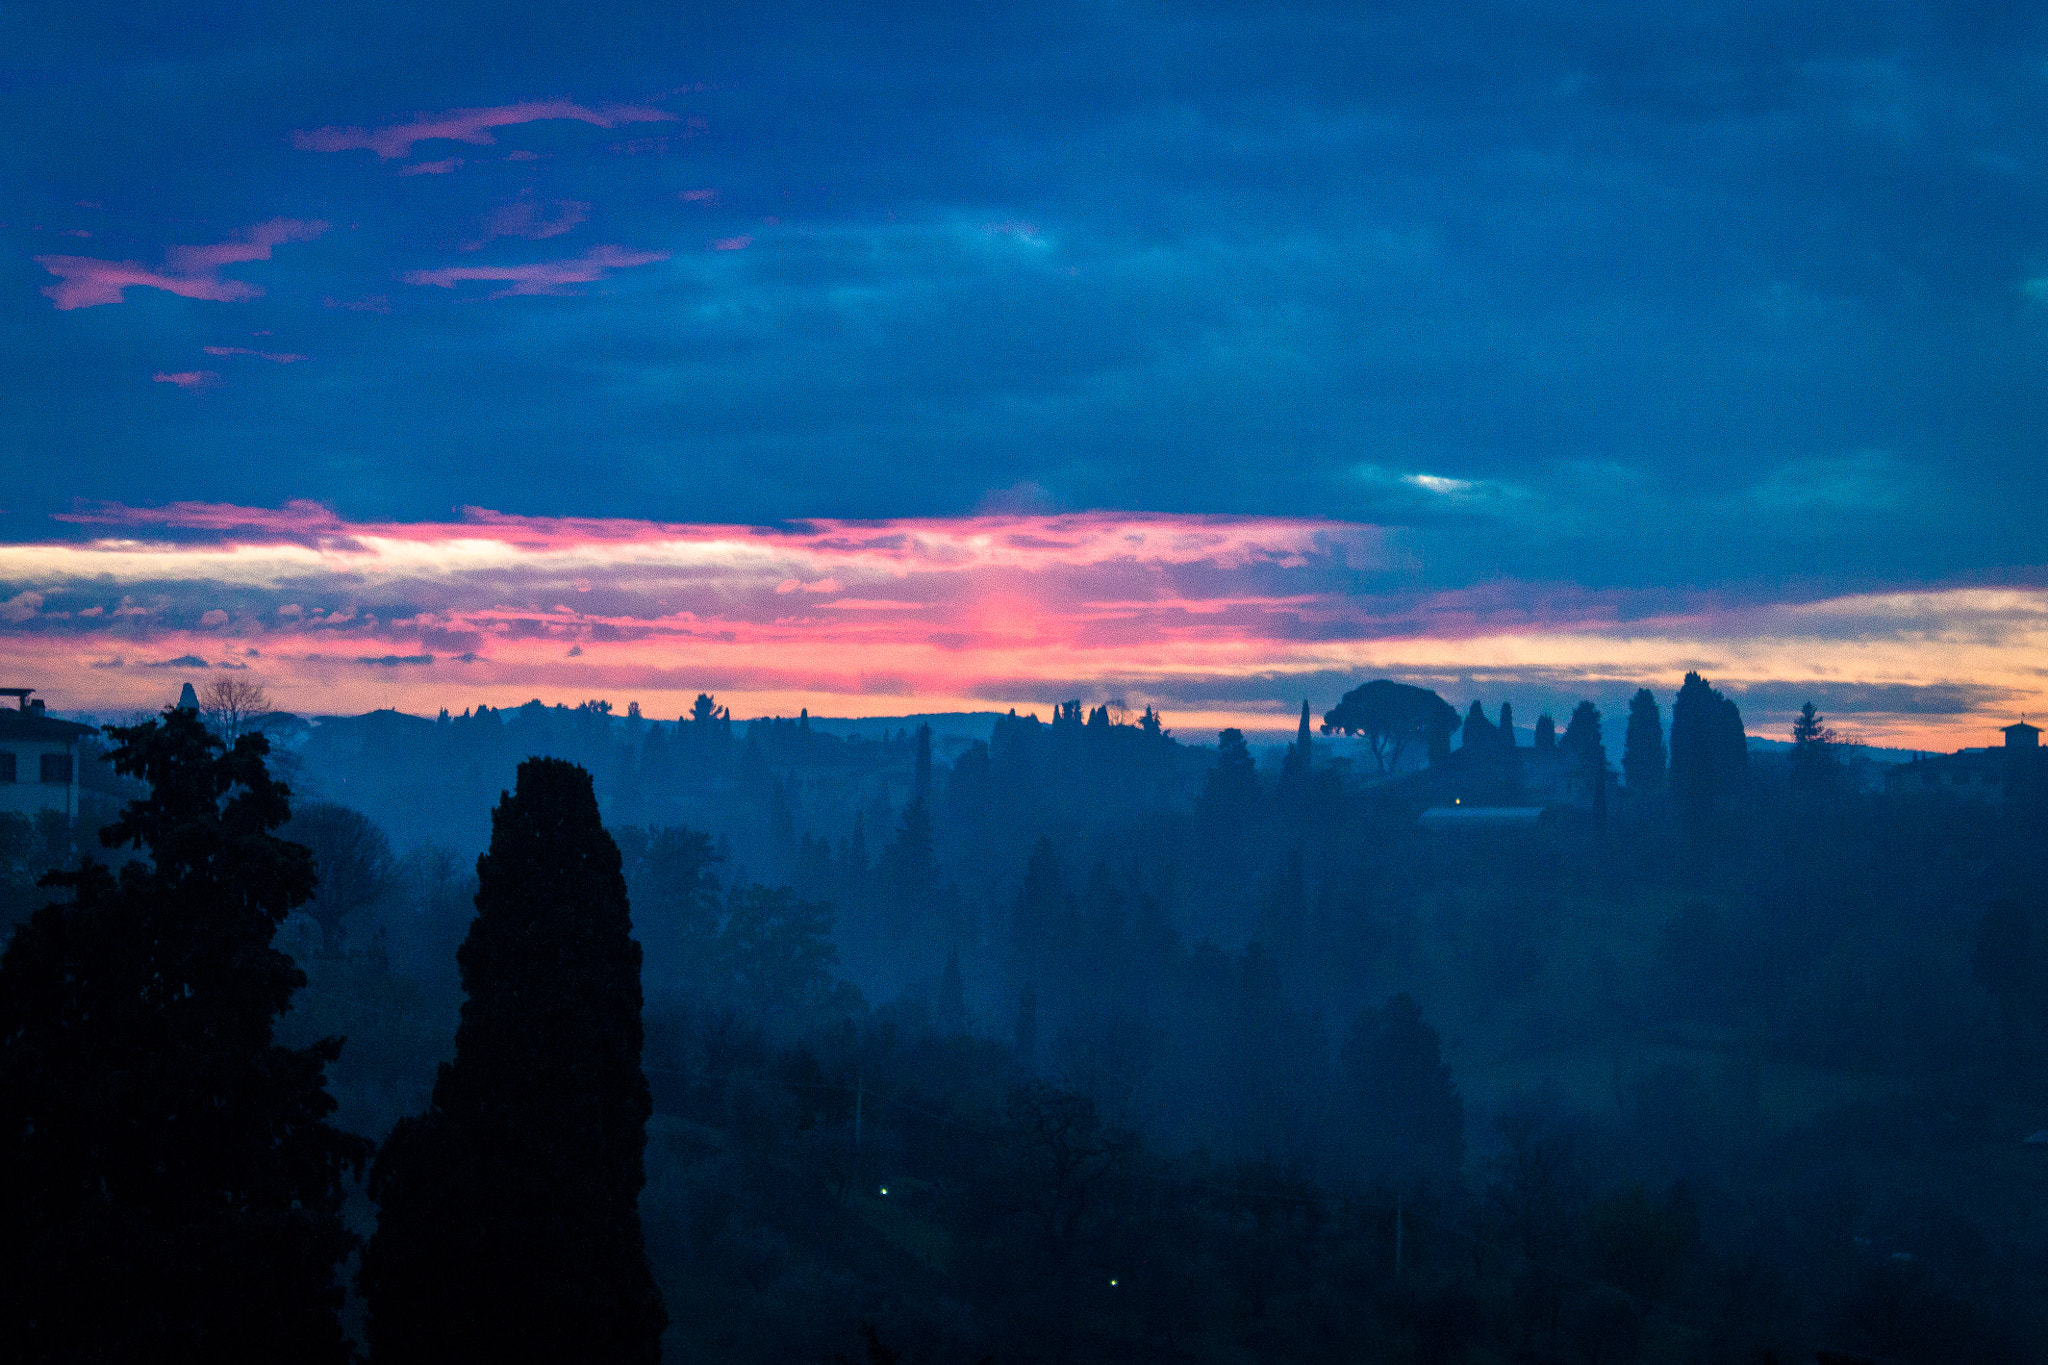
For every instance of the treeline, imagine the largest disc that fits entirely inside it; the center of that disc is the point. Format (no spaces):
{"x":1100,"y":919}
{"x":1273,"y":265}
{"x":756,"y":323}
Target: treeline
{"x":1092,"y":1045}
{"x":171,"y":1185}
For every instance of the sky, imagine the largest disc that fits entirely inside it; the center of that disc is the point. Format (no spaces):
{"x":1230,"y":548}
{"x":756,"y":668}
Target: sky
{"x":882,"y":360}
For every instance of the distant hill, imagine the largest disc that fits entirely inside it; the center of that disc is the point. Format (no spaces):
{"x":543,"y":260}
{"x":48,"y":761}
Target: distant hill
{"x":962,"y":724}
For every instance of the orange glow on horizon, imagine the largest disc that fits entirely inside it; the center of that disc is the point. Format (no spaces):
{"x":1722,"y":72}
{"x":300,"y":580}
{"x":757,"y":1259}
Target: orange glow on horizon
{"x":1215,"y":620}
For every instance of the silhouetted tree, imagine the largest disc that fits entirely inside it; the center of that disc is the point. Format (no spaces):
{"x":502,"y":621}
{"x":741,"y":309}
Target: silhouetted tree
{"x":1479,"y":732}
{"x":1038,"y":907}
{"x":909,"y":872}
{"x":1709,"y":754}
{"x":169,"y":1187}
{"x":1813,"y":751}
{"x":1294,"y":770}
{"x":1545,"y":738}
{"x":1408,"y":1115}
{"x":232,"y":705}
{"x":1284,"y":915}
{"x":1642,"y":747}
{"x":510,"y":1225}
{"x":1232,"y":787}
{"x":674,"y":892}
{"x":775,"y":952}
{"x":352,"y":860}
{"x":1582,"y":741}
{"x":1391,"y":716}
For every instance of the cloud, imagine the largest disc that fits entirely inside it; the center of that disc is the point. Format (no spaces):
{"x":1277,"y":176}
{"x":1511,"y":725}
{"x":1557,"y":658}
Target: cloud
{"x":1836,"y":698}
{"x":182,"y":661}
{"x":698,"y":196}
{"x":278,"y":357}
{"x":1210,"y":617}
{"x":453,"y":163}
{"x":191,"y":272}
{"x":375,"y":303}
{"x":531,"y":219}
{"x":472,"y":126}
{"x":20,"y":607}
{"x":295,"y":518}
{"x":541,"y":277}
{"x":739,"y":243}
{"x":188,"y":379}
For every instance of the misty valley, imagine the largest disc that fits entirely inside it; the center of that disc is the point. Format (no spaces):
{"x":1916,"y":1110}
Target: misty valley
{"x":1423,"y":1037}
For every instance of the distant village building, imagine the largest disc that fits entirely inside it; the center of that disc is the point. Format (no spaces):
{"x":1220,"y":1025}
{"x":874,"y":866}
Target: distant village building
{"x":1993,"y":774}
{"x":1482,"y":817}
{"x":40,"y":758}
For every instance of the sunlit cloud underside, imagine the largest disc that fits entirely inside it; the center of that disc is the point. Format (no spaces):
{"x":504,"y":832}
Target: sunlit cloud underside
{"x":1216,"y":620}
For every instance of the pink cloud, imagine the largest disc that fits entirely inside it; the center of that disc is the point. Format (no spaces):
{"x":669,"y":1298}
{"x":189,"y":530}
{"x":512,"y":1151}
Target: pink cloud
{"x":541,"y":277}
{"x":191,"y":272}
{"x":531,"y":219}
{"x":376,"y":303}
{"x":280,"y":357}
{"x":188,"y":379}
{"x":740,"y":243}
{"x":252,"y":245}
{"x":699,"y":196}
{"x":453,"y":163}
{"x":469,"y":125}
{"x":296,"y":517}
{"x":1224,"y":620}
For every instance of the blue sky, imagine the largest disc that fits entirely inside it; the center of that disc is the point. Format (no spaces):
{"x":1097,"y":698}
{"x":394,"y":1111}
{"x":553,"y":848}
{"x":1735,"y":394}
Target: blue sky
{"x":1742,"y":299}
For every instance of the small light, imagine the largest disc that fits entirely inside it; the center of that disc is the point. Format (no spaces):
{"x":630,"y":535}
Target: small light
{"x":1112,"y":1284}
{"x":885,"y":1189}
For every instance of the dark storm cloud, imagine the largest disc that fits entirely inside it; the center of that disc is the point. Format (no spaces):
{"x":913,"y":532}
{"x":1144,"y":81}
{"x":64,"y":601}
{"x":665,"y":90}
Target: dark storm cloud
{"x":1574,"y":292}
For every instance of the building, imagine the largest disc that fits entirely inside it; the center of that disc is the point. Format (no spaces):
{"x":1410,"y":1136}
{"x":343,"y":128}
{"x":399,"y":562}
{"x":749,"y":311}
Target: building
{"x":1991,"y":774}
{"x":40,"y":758}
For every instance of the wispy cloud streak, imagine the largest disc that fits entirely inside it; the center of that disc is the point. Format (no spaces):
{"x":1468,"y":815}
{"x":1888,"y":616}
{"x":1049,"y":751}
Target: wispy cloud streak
{"x":541,"y":277}
{"x":1218,"y":617}
{"x":191,"y":272}
{"x":275,"y":357}
{"x":473,"y":126}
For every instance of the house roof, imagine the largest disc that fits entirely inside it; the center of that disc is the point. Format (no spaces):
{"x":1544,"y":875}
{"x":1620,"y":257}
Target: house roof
{"x":35,"y":725}
{"x":1470,"y":816}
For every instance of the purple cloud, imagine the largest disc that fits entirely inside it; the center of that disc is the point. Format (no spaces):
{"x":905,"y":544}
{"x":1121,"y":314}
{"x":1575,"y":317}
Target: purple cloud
{"x":740,"y":243}
{"x":191,"y":272}
{"x":531,"y":219}
{"x":280,"y":357}
{"x":541,"y":277}
{"x":453,"y":163}
{"x":469,"y":125}
{"x":188,"y":379}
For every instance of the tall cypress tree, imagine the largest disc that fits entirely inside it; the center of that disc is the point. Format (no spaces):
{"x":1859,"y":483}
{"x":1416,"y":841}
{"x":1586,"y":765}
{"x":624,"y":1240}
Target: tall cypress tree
{"x":1695,"y":764}
{"x":510,"y":1224}
{"x":1642,"y":747}
{"x":169,"y":1187}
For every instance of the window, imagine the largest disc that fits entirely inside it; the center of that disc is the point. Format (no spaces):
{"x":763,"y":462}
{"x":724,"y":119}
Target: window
{"x":7,"y":762}
{"x":57,"y":768}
